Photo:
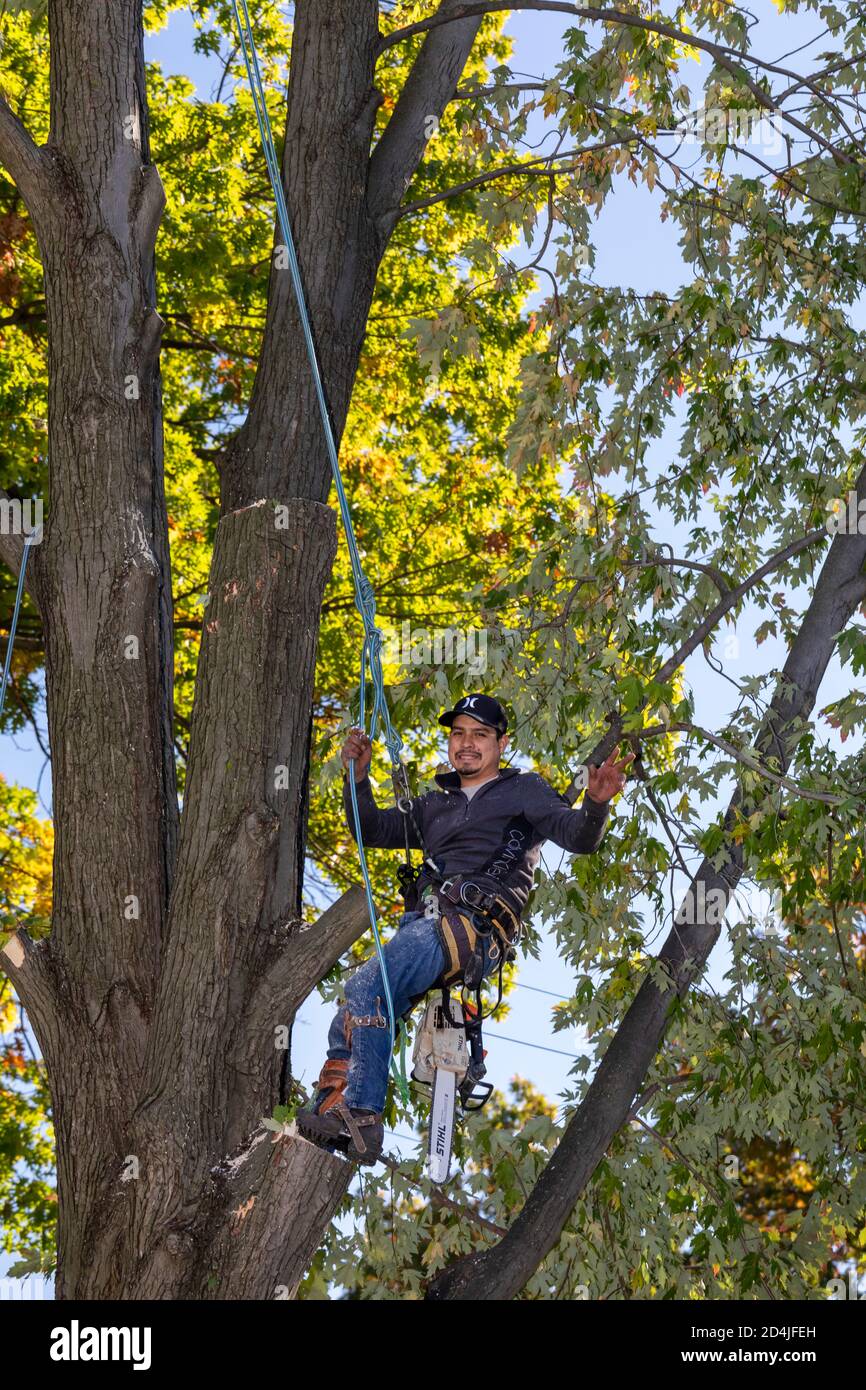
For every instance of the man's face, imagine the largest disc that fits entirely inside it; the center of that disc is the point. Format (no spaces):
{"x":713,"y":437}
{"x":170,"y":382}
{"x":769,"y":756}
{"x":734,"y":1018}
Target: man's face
{"x":474,"y":749}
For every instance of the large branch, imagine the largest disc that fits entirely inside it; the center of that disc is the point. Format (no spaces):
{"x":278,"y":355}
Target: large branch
{"x":22,"y":159}
{"x":501,"y":1272}
{"x":252,"y":1222}
{"x":341,"y":202}
{"x":430,"y":86}
{"x":106,"y":586}
{"x":27,"y":963}
{"x":284,"y":1194}
{"x":263,"y":1208}
{"x":240,"y":859}
{"x":308,"y":956}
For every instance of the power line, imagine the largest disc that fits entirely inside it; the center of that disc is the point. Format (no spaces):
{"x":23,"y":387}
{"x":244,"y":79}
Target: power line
{"x":536,"y":990}
{"x":411,"y":1138}
{"x":561,"y":996}
{"x":538,"y":1046}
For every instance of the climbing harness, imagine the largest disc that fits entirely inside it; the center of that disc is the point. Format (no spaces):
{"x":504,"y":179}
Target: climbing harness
{"x":449,"y":1058}
{"x":473,"y":911}
{"x":468,"y":916}
{"x":365,"y":600}
{"x":19,"y":594}
{"x":448,"y":1055}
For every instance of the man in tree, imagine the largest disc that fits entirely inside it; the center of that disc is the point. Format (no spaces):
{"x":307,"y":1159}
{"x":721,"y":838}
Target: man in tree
{"x":481,"y":836}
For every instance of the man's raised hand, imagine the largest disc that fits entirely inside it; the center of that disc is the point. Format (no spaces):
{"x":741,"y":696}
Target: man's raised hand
{"x":357,"y":746}
{"x":605,"y":781}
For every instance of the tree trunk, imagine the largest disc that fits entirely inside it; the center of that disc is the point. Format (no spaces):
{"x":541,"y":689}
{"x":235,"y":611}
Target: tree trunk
{"x":103,"y":583}
{"x":163,"y":999}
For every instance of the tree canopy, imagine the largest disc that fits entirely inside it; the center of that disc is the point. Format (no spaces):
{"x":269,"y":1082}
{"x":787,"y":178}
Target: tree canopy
{"x":608,"y":483}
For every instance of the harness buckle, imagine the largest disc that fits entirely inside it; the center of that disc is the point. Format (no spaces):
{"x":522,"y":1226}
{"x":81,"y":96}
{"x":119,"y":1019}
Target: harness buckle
{"x":468,"y":894}
{"x":473,"y":896}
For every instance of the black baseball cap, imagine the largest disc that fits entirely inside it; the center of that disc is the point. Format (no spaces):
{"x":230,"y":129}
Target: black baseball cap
{"x":481,"y":707}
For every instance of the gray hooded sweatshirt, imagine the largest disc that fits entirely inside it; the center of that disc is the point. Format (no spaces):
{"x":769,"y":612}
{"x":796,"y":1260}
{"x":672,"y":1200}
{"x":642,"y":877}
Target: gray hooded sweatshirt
{"x":499,"y":830}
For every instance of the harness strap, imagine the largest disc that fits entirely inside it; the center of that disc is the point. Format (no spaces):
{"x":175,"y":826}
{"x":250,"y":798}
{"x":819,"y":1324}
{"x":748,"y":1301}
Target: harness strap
{"x":519,"y":836}
{"x":350,"y":1021}
{"x":480,"y":1015}
{"x":352,"y":1123}
{"x":459,"y":937}
{"x":461,"y":892}
{"x":407,"y":874}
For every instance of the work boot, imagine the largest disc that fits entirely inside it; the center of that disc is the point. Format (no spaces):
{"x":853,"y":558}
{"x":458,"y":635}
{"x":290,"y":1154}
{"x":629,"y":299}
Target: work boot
{"x":329,"y":1089}
{"x":359,"y":1134}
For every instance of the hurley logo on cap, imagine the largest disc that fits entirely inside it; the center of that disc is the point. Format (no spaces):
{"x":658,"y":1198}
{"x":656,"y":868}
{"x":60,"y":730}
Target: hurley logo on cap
{"x":481,"y":707}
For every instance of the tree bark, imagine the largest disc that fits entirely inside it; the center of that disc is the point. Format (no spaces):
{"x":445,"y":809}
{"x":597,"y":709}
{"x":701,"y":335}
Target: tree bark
{"x":279,"y":451}
{"x":101,"y":578}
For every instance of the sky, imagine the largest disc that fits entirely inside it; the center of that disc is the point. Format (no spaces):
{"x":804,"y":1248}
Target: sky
{"x":633,"y":248}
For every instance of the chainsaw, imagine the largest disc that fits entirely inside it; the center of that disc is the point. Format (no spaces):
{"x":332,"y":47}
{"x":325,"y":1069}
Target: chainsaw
{"x":448,"y":1056}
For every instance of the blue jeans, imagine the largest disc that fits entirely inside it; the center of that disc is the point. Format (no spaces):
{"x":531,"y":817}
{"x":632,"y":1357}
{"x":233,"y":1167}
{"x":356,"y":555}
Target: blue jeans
{"x":414,"y":959}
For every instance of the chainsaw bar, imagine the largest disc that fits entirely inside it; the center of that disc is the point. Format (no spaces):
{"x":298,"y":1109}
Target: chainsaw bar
{"x":441,"y":1124}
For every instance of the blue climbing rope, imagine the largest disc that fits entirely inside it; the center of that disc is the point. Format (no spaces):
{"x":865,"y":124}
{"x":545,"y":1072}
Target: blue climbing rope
{"x":365,"y":599}
{"x":19,"y":594}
